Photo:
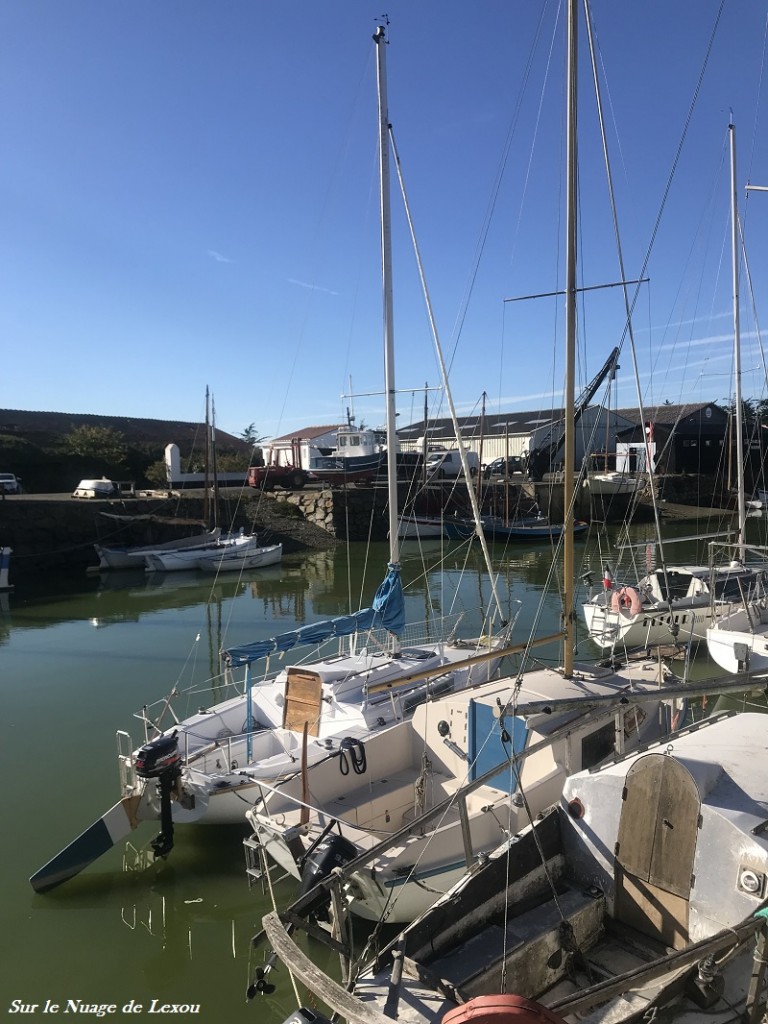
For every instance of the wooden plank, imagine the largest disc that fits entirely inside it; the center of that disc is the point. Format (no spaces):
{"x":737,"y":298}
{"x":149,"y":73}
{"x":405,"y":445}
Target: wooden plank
{"x":303,"y":702}
{"x":329,"y":991}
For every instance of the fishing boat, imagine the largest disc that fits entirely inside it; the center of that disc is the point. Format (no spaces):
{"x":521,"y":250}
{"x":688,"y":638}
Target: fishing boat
{"x":360,"y":457}
{"x":644,"y":886}
{"x":207,"y":767}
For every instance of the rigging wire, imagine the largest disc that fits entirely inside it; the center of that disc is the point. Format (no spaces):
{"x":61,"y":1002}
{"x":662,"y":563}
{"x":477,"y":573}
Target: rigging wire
{"x":444,"y":376}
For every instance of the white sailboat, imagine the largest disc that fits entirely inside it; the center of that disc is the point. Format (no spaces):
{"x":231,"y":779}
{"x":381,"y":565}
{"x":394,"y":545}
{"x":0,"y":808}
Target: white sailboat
{"x":738,"y":640}
{"x":317,"y":820}
{"x":476,"y":762}
{"x":207,"y":768}
{"x":645,"y":886}
{"x":604,"y":905}
{"x":687,"y":603}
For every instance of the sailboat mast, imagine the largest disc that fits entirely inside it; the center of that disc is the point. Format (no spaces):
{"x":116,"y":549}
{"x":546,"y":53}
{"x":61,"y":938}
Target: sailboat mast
{"x":207,"y":484}
{"x":386,"y":282}
{"x":742,"y":509}
{"x":570,"y":342}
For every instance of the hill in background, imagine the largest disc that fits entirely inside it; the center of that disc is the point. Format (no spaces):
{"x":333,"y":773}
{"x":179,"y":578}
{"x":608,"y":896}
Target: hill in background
{"x":52,"y":451}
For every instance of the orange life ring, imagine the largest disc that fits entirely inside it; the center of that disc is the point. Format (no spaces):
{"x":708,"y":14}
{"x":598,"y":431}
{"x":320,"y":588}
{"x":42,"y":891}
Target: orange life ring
{"x":626,"y":599}
{"x":499,"y":1009}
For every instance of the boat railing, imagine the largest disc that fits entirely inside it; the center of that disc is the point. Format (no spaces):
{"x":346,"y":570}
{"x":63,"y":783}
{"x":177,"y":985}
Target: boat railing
{"x":125,"y":766}
{"x":217,"y":689}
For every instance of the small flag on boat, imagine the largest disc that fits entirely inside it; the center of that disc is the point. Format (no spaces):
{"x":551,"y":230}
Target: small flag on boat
{"x":607,"y":578}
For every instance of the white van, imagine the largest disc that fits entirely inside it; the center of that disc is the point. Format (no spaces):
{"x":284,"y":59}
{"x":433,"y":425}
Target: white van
{"x":448,"y":464}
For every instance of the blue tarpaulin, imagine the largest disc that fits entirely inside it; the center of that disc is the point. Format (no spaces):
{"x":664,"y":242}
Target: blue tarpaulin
{"x":386,"y":612}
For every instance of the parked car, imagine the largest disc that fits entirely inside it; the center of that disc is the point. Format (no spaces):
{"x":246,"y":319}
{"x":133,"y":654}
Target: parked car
{"x":504,"y":467}
{"x":10,"y":484}
{"x":448,"y":464}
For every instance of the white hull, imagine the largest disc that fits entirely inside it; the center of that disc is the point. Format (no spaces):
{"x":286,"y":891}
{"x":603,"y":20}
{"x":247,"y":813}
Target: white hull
{"x":738,"y":642}
{"x":420,"y":528}
{"x":225,"y":755}
{"x":609,"y":628}
{"x":236,"y":562}
{"x":394,"y":786}
{"x":572,"y":881}
{"x":180,"y":561}
{"x":134,"y":557}
{"x":644,"y":616}
{"x":612,"y":484}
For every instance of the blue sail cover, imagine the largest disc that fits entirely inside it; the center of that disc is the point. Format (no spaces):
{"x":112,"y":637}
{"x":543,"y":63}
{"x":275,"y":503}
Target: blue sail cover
{"x":387,"y":611}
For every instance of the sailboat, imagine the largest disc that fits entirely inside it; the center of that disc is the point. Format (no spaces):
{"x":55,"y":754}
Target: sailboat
{"x":605,"y":905}
{"x":411,"y":809}
{"x":318,"y":821}
{"x":738,"y":640}
{"x":645,"y":885}
{"x":207,"y":768}
{"x":190,"y":550}
{"x":685,"y":603}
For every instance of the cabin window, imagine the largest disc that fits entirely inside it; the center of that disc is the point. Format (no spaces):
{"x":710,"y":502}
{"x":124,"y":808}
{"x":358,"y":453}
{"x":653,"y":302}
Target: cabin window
{"x":598,"y":745}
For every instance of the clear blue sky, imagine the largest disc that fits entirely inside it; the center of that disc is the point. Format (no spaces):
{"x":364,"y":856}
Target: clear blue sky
{"x":188,"y":196}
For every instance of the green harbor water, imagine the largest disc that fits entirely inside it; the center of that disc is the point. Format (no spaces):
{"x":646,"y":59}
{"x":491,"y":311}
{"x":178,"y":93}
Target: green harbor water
{"x":78,"y":656}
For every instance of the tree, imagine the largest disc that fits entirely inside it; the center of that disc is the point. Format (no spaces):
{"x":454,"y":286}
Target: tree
{"x":97,"y":442}
{"x":251,"y":435}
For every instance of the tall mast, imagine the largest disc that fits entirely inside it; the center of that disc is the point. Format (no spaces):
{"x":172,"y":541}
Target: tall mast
{"x":570,"y":342}
{"x":207,"y":483}
{"x":737,"y":346}
{"x":214,"y":465}
{"x":386,"y":284}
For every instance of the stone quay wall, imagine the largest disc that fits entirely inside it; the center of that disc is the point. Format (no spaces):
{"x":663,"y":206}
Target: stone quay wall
{"x":57,"y":533}
{"x":52,"y":532}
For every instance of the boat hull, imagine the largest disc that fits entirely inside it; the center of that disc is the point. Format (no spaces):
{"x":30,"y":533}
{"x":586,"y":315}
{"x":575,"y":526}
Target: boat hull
{"x":738,"y":642}
{"x":236,"y":562}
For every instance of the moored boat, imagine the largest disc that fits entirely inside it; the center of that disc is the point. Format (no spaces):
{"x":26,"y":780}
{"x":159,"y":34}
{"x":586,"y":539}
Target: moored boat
{"x":645,"y":886}
{"x":133,"y":557}
{"x":234,"y":560}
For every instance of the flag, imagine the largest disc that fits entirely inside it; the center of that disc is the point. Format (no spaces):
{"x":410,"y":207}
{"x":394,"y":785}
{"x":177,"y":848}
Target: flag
{"x":607,"y":578}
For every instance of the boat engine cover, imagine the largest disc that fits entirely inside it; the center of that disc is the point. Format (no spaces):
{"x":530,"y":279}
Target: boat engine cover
{"x":332,"y":852}
{"x":157,"y":757}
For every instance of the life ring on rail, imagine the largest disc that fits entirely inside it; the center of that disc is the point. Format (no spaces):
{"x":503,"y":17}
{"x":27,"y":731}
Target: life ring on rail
{"x":500,"y":1009}
{"x":626,"y":599}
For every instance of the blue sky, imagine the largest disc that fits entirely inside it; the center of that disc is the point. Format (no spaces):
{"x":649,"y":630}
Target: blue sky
{"x":188,"y":197}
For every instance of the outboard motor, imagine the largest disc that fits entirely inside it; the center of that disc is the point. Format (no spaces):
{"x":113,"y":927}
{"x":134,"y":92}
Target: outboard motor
{"x":331,"y":852}
{"x":160,"y":759}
